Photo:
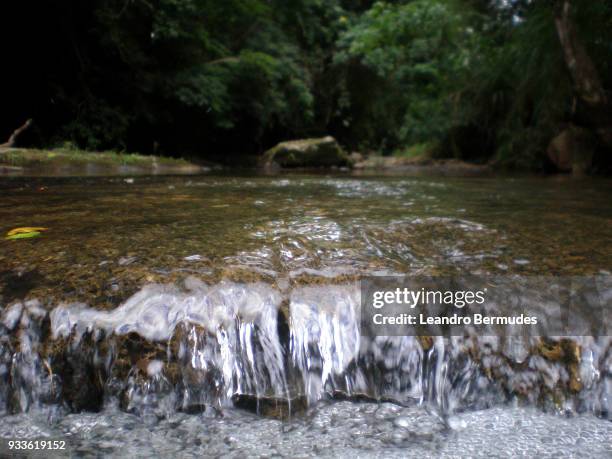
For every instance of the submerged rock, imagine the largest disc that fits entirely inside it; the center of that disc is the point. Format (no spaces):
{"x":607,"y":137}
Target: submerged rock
{"x":315,"y":152}
{"x":271,"y":407}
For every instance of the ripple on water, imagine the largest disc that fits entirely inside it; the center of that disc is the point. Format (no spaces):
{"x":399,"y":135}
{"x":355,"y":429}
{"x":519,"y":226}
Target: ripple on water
{"x":341,"y":429}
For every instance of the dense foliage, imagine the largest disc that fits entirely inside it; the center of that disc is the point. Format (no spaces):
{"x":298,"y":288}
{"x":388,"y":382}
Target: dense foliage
{"x":478,"y":79}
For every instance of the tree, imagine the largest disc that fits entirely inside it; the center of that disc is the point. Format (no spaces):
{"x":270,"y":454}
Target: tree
{"x":415,"y":55}
{"x":482,"y":79}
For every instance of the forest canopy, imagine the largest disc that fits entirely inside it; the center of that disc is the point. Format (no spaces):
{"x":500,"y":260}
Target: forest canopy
{"x":482,"y":80}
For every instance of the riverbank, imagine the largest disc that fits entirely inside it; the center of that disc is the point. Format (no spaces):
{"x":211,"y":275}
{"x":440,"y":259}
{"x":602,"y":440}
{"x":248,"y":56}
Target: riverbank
{"x":70,"y":162}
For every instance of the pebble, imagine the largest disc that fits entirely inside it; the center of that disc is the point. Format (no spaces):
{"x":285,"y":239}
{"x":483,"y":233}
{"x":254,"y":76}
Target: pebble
{"x":124,"y":261}
{"x":521,"y":262}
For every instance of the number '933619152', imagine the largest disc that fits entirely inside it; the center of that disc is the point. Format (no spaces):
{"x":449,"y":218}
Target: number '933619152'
{"x":36,"y":444}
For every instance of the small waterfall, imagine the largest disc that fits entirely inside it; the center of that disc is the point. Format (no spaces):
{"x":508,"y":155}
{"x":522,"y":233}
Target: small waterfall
{"x":206,"y":347}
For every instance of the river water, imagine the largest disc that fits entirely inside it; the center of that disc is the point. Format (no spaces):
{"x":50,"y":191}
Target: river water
{"x":219,"y":315}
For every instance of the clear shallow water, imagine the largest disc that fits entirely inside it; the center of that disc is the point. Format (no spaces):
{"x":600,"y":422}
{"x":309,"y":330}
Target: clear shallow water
{"x":107,"y":238}
{"x":173,"y":295}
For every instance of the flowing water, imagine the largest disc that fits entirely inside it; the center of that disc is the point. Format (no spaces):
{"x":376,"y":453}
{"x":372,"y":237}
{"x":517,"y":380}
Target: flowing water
{"x":217,"y":315}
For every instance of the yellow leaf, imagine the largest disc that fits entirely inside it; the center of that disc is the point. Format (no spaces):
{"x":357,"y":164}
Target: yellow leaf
{"x":26,"y":229}
{"x":24,"y":235}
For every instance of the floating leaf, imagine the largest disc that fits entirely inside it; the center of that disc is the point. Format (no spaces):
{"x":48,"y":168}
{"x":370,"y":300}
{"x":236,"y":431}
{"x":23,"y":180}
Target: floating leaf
{"x":24,"y":235}
{"x":25,"y":230}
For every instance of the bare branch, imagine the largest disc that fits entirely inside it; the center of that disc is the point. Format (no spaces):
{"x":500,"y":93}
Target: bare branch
{"x":16,"y":133}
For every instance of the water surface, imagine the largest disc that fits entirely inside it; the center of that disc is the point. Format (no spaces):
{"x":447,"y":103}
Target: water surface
{"x":107,"y":237}
{"x":218,"y":315}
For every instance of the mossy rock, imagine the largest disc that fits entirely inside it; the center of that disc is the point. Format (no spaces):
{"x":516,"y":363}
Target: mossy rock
{"x":307,"y":153}
{"x":271,"y":407}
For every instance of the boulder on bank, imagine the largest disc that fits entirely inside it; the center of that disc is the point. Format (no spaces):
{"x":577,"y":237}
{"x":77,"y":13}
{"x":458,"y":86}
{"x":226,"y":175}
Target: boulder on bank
{"x":572,"y":150}
{"x":317,"y":152}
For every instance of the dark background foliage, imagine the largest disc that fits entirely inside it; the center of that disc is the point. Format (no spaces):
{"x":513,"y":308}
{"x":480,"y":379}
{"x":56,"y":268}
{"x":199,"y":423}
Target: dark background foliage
{"x":223,"y":80}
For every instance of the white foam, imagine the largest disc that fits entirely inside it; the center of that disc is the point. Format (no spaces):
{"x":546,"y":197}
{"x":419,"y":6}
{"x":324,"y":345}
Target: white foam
{"x":11,"y":315}
{"x":156,"y":310}
{"x":155,"y":367}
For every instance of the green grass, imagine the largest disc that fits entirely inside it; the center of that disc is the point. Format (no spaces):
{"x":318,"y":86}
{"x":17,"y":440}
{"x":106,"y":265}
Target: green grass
{"x":58,"y":156}
{"x":419,"y":150}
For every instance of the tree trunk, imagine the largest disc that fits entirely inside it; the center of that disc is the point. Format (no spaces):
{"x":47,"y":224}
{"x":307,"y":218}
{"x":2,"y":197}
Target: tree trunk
{"x":587,"y":83}
{"x":586,"y":79}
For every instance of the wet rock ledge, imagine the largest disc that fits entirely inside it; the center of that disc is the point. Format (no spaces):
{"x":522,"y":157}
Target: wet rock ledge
{"x":206,"y":347}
